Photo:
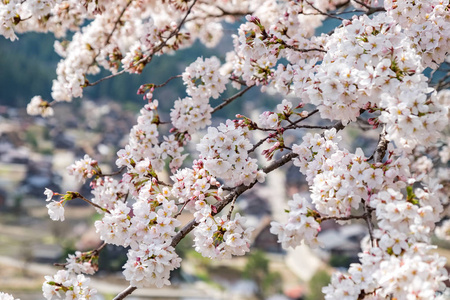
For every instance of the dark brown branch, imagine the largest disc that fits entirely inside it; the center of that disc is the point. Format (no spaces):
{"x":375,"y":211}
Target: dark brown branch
{"x":146,"y":59}
{"x":291,"y":126}
{"x":231,"y":208}
{"x":125,"y":293}
{"x":301,"y":49}
{"x":117,"y":22}
{"x":113,"y":173}
{"x":321,"y":219}
{"x":231,"y":99}
{"x":370,"y":9}
{"x":166,"y":82}
{"x":78,"y":195}
{"x":181,"y":209}
{"x":368,"y":218}
{"x":382,"y":145}
{"x":237,"y":191}
{"x":322,"y":12}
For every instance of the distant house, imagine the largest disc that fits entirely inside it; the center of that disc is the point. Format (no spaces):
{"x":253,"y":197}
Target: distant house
{"x":343,"y":242}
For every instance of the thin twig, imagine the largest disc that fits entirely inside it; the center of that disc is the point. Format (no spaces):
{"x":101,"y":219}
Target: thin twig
{"x":166,"y":82}
{"x":323,"y":13}
{"x":302,"y":119}
{"x":351,"y":217}
{"x":113,"y":173}
{"x":91,"y":253}
{"x":181,"y":209}
{"x":291,"y":126}
{"x":370,"y":9}
{"x":117,"y":22}
{"x":231,"y":99}
{"x":112,"y":31}
{"x":146,"y":59}
{"x":78,"y":195}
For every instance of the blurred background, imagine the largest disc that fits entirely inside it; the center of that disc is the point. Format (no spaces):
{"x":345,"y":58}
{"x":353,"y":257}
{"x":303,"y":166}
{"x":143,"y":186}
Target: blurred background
{"x":34,"y":154}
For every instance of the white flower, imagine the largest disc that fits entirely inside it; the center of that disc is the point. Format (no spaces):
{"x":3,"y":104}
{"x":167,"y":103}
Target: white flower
{"x":49,"y":193}
{"x":38,"y":106}
{"x":5,"y":296}
{"x":56,"y":210}
{"x":74,"y":286}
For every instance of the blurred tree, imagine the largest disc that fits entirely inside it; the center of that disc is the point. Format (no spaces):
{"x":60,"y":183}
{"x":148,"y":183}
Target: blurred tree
{"x":257,"y":269}
{"x":317,"y":282}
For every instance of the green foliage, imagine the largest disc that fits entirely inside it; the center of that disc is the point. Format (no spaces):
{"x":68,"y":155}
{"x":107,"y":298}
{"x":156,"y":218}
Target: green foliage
{"x":257,"y":264}
{"x":257,"y":269}
{"x":339,"y":261}
{"x":112,"y":258}
{"x":317,"y":282}
{"x":184,"y":247}
{"x":31,"y":138}
{"x":27,"y":69}
{"x":68,"y":248}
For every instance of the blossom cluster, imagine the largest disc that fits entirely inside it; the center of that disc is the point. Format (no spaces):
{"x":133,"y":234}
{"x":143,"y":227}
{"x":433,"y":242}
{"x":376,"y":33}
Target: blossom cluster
{"x":197,"y":190}
{"x":224,"y":151}
{"x":203,"y":81}
{"x":84,"y":168}
{"x":38,"y":106}
{"x":151,"y":265}
{"x":5,"y":296}
{"x":417,"y":273}
{"x":340,"y":182}
{"x":147,"y":228}
{"x":82,"y":262}
{"x":12,"y":12}
{"x":108,"y":191}
{"x":67,"y":285}
{"x":144,"y":152}
{"x":189,"y":115}
{"x":301,"y":225}
{"x":382,"y":60}
{"x":282,"y":31}
{"x":373,"y":64}
{"x":220,"y":238}
{"x":427,"y":26}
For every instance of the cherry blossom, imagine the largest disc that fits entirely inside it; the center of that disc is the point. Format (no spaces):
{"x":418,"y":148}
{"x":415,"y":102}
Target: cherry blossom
{"x":369,"y":74}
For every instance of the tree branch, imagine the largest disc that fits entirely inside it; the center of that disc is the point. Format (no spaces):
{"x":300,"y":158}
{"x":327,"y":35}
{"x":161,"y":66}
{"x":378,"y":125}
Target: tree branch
{"x":231,"y":99}
{"x":146,"y":59}
{"x":237,"y":191}
{"x":78,"y":195}
{"x":380,"y":151}
{"x":125,"y":293}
